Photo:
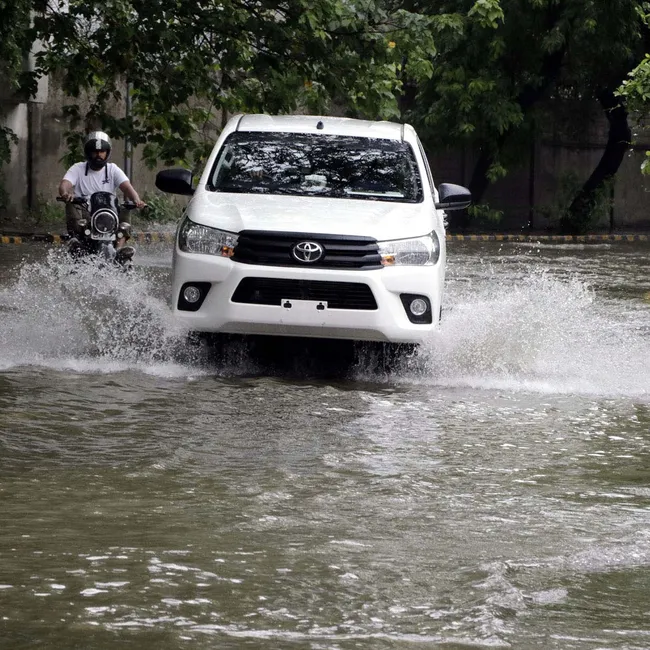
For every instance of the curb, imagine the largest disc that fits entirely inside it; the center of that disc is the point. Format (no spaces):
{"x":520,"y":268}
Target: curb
{"x":549,"y":238}
{"x":24,"y":238}
{"x":154,"y":237}
{"x":53,"y":238}
{"x":168,"y":237}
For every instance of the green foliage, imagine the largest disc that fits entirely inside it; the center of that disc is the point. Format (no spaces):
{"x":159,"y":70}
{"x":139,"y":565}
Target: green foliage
{"x":162,"y":209}
{"x":645,"y":165}
{"x":74,"y":140}
{"x":488,"y":13}
{"x":464,"y":72}
{"x":496,"y":171}
{"x":568,"y":186}
{"x":190,"y":65}
{"x":483,"y":213}
{"x":636,"y":88}
{"x":499,"y":63}
{"x":16,"y":37}
{"x":45,"y":215}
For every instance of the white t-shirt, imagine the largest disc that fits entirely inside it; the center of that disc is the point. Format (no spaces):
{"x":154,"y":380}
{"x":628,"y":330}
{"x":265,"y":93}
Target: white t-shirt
{"x":107,"y":179}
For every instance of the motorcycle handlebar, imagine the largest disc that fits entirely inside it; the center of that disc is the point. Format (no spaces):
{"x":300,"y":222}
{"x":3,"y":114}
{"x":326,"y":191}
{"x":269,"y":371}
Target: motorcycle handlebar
{"x":127,"y":205}
{"x":77,"y":199}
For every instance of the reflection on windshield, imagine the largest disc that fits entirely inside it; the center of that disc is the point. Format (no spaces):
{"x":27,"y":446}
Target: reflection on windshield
{"x":317,"y":165}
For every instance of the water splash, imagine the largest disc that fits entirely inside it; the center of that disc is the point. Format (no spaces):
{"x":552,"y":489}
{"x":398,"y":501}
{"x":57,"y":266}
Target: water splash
{"x":530,"y":332}
{"x":84,"y":315}
{"x":540,"y":334}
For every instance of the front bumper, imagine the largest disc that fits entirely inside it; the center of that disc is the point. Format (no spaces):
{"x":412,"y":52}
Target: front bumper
{"x":388,"y":322}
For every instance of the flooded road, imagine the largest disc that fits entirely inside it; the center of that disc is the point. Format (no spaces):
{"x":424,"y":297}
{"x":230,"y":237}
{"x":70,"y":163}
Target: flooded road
{"x":494,"y":492}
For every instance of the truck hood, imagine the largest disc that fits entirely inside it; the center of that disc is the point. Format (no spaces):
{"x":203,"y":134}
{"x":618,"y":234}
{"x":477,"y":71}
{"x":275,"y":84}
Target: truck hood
{"x":382,"y":220}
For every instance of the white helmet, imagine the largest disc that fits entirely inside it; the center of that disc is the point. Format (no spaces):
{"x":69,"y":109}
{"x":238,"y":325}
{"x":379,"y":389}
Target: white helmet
{"x":97,"y":141}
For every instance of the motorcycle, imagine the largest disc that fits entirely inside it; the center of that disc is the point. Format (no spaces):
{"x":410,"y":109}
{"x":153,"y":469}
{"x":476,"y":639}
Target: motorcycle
{"x":99,"y":233}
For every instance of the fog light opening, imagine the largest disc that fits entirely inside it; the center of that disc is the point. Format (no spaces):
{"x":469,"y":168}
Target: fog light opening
{"x":191,"y":294}
{"x":418,"y":307}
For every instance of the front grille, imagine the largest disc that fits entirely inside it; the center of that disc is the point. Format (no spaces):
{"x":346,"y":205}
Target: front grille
{"x":338,"y":295}
{"x":270,"y":248}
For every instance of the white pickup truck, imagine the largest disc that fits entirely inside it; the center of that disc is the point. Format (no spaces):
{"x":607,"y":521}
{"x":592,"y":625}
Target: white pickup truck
{"x":312,"y":226}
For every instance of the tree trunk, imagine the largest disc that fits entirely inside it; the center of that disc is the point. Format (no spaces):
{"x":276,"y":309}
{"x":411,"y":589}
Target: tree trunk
{"x":578,"y":217}
{"x":479,"y":181}
{"x":529,"y":96}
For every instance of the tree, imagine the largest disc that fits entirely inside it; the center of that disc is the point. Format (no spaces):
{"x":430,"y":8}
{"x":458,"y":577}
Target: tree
{"x":607,"y":47}
{"x":498,"y":60}
{"x":495,"y":60}
{"x":635,"y":89}
{"x":474,"y":73}
{"x":16,"y":39}
{"x":189,"y":62}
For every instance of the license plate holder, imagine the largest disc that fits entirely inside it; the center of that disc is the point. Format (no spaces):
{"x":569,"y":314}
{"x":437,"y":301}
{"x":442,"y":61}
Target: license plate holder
{"x":303,"y":312}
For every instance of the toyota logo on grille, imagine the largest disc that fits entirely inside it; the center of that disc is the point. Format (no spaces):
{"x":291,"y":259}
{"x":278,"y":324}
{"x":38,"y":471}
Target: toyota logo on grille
{"x":307,"y":251}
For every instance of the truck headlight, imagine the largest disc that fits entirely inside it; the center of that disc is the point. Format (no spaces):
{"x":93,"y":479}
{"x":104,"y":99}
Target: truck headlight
{"x":195,"y":238}
{"x":420,"y":251}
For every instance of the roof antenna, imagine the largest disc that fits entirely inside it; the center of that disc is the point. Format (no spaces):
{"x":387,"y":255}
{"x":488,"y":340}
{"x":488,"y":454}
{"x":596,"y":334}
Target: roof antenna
{"x":320,"y":125}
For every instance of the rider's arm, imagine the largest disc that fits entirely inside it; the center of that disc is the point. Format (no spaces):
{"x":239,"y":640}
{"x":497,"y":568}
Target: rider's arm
{"x":130,"y":193}
{"x":66,"y":189}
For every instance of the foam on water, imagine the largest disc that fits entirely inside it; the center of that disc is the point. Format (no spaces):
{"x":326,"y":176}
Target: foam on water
{"x":540,"y":334}
{"x":537,"y":333}
{"x":85,"y":317}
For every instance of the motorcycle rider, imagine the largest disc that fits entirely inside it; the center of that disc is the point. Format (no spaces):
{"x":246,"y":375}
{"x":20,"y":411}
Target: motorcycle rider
{"x":95,"y":174}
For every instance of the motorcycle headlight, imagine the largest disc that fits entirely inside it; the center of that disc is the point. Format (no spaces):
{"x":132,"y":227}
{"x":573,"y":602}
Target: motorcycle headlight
{"x":195,"y":238}
{"x":420,"y":251}
{"x":104,"y":221}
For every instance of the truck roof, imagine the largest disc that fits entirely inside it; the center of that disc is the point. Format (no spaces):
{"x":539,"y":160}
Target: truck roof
{"x":320,"y":124}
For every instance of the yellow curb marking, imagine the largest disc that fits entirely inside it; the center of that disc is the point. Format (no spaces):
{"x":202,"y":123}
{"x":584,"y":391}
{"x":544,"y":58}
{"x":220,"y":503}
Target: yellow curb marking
{"x":548,"y":238}
{"x":151,"y":237}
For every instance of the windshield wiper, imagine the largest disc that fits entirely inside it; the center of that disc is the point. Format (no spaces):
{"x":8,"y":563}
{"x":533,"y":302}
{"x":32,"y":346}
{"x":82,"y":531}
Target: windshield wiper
{"x":239,"y":188}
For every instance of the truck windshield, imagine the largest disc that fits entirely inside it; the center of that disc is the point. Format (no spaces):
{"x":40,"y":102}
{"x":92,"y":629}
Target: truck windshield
{"x":317,"y":165}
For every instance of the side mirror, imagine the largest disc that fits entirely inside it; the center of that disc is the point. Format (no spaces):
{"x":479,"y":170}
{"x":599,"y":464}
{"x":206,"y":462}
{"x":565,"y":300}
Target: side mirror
{"x":453,"y":197}
{"x":175,"y":181}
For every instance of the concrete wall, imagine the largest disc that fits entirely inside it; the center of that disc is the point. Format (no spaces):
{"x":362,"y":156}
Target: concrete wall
{"x":565,"y":151}
{"x":18,"y":176}
{"x":37,"y":166}
{"x":50,"y":147}
{"x":632,"y":193}
{"x":15,"y":175}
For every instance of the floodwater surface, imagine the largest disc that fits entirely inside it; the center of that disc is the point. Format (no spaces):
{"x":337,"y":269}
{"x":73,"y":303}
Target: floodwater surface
{"x":494,"y":491}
